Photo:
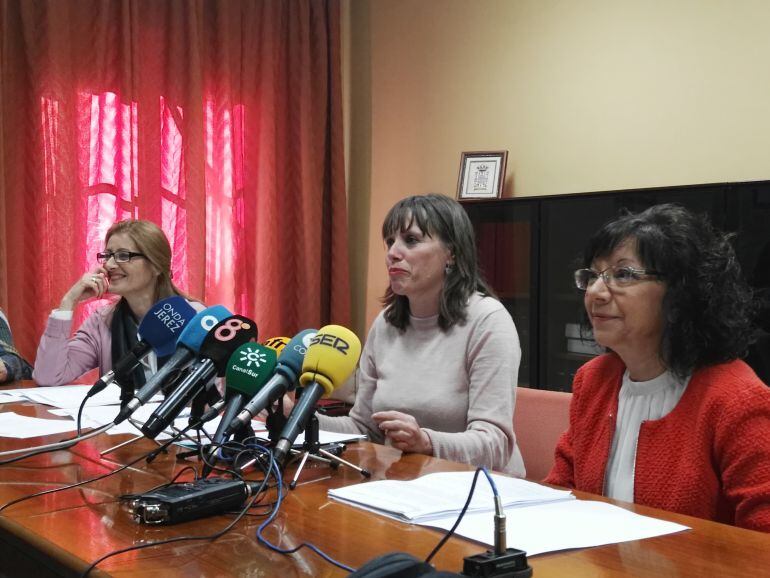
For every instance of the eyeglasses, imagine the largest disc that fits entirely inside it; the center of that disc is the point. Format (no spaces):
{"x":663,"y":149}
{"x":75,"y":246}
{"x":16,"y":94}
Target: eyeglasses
{"x":613,"y":276}
{"x":120,"y":256}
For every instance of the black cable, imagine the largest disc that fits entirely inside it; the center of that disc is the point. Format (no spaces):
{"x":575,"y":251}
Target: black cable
{"x":54,"y":447}
{"x":97,"y":478}
{"x":210,"y":537}
{"x":163,"y":485}
{"x":457,"y":522}
{"x":80,"y":413}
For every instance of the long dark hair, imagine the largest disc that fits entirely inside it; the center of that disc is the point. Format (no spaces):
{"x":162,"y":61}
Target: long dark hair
{"x":441,"y":218}
{"x":707,"y":307}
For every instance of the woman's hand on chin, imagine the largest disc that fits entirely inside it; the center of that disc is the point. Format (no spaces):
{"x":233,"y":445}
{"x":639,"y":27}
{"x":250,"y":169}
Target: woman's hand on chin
{"x":92,"y":284}
{"x":404,"y":432}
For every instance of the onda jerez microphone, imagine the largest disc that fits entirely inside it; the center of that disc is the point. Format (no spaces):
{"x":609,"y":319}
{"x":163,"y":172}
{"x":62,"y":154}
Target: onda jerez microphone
{"x":158,"y":330}
{"x":187,"y":347}
{"x":330,"y":359}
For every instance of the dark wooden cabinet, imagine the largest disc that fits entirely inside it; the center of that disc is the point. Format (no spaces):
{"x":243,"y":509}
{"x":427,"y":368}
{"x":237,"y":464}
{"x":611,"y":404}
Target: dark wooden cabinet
{"x":529,"y":247}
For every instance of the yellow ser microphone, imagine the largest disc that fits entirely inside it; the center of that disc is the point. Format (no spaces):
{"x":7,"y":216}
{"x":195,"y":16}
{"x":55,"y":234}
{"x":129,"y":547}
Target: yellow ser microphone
{"x":330,"y":359}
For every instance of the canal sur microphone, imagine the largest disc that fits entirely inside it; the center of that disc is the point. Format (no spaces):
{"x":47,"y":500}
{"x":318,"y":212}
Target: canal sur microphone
{"x":284,"y":379}
{"x":248,"y":368}
{"x":158,"y":331}
{"x":331,"y":357}
{"x":187,"y":347}
{"x":217,"y":347}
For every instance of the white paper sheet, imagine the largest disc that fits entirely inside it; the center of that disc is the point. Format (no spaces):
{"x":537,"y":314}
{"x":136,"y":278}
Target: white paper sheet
{"x":11,"y":396}
{"x":441,"y":494}
{"x":561,"y":526}
{"x":328,"y":437}
{"x":94,"y":417}
{"x":13,"y":425}
{"x":64,"y":396}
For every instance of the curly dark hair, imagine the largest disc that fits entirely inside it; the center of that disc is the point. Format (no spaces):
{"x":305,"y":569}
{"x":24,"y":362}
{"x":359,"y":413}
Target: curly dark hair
{"x":708,"y":305}
{"x":439,"y":217}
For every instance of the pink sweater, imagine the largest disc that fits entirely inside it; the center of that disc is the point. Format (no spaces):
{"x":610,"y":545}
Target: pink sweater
{"x":709,"y":457}
{"x":60,"y":359}
{"x":460,"y":385}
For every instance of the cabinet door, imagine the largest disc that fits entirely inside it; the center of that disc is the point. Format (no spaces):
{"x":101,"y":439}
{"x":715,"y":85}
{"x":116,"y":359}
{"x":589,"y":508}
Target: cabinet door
{"x":567,"y":224}
{"x":504,"y":235}
{"x":748,"y":209}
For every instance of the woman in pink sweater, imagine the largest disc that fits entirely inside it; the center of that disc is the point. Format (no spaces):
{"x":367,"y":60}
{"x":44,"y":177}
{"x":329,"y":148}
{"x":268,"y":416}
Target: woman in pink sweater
{"x":136,"y":266}
{"x":670,"y":417}
{"x":438,"y":372}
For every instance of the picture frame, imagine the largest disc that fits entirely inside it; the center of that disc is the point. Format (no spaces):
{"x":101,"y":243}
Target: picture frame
{"x":482,"y":175}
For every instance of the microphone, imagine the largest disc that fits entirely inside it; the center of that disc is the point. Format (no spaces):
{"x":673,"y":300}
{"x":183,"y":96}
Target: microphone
{"x":276,"y":343}
{"x":330,"y":359}
{"x":158,"y":330}
{"x":187,"y":347}
{"x":248,"y":369}
{"x":286,"y":374}
{"x":224,"y":338}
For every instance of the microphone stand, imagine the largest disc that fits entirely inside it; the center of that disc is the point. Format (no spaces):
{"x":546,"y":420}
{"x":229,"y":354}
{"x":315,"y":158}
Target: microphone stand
{"x":312,"y":449}
{"x":197,"y":408}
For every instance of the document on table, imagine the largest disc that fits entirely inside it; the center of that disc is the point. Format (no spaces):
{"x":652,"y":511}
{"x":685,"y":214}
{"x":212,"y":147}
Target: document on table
{"x":443,"y":494}
{"x":13,"y":425}
{"x":538,"y":518}
{"x":561,"y":526}
{"x":18,"y":426}
{"x":94,"y":417}
{"x":63,"y":396}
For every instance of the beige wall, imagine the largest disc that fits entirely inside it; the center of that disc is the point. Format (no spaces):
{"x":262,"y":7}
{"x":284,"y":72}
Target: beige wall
{"x":586,"y":95}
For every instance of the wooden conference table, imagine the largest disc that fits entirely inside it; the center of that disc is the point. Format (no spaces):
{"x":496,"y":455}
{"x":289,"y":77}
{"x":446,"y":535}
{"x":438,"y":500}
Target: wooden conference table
{"x":62,"y":533}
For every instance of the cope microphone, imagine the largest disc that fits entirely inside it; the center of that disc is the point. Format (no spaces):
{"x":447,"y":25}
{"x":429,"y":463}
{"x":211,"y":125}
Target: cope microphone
{"x":248,"y":368}
{"x":158,"y":330}
{"x":187,"y":347}
{"x":330,"y":359}
{"x":224,"y":338}
{"x":286,"y":374}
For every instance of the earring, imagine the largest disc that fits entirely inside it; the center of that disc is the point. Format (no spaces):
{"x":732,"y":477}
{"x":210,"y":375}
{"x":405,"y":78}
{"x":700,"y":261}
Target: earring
{"x":448,"y":268}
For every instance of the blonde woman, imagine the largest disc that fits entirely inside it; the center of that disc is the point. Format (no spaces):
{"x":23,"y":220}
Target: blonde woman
{"x":136,"y":266}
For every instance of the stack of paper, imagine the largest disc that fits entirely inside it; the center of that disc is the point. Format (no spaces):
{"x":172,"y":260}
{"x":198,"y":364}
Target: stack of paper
{"x":539,"y":519}
{"x":443,"y":494}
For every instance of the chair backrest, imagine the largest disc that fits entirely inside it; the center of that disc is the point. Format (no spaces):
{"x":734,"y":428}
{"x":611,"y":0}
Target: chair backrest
{"x":541,"y":416}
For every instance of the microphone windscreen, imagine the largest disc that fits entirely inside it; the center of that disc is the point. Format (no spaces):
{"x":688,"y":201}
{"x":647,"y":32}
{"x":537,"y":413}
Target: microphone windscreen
{"x":331,"y":357}
{"x":164,"y":322}
{"x":225,"y":337}
{"x":277,"y":343}
{"x":292,"y":356}
{"x":249,"y":368}
{"x":198,"y":327}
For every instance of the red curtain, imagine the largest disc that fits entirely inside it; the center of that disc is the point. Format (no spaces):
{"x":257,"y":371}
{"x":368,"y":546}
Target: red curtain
{"x":220,"y":121}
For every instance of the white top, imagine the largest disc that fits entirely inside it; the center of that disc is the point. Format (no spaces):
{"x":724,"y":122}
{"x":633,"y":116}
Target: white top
{"x":638,"y":401}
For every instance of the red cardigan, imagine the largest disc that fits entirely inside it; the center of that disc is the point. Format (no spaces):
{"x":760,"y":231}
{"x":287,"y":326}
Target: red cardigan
{"x":709,"y":457}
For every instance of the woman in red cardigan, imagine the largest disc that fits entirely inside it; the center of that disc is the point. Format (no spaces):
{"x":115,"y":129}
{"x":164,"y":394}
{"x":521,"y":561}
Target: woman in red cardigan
{"x":670,"y":417}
